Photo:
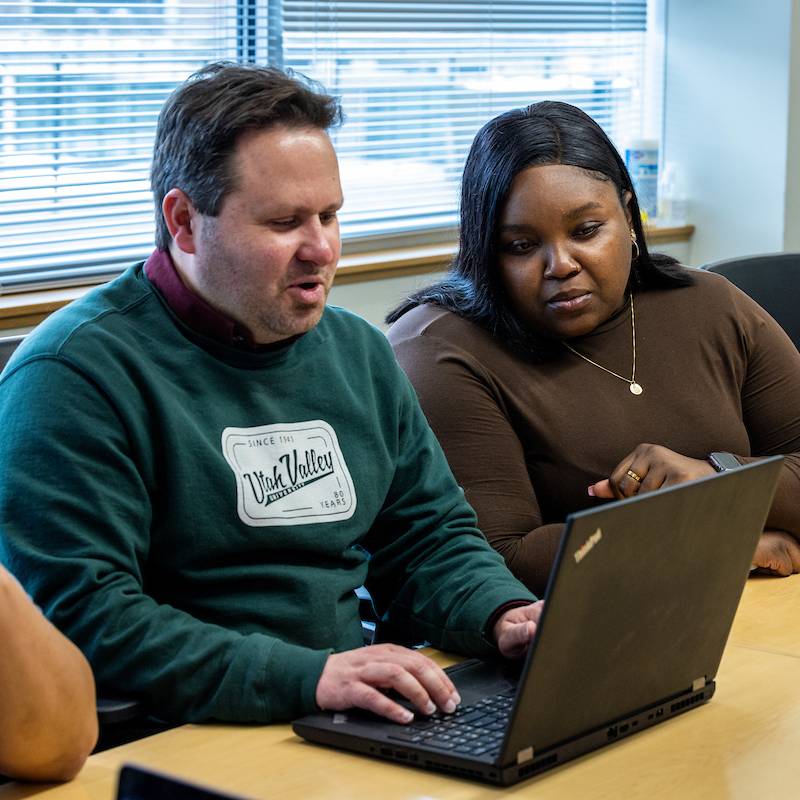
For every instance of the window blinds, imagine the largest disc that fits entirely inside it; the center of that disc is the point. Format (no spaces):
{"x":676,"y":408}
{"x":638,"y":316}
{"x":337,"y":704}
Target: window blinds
{"x":81,"y":85}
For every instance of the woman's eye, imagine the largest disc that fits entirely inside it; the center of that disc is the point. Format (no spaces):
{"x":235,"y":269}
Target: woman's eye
{"x":518,"y":246}
{"x":587,"y":230}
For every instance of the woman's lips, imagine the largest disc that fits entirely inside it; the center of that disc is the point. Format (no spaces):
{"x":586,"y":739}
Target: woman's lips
{"x":569,"y":303}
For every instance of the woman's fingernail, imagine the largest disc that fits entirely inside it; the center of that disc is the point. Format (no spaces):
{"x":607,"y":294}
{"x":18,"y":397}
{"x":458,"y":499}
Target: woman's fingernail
{"x":406,"y":716}
{"x":591,"y":491}
{"x":449,"y":706}
{"x":430,"y":708}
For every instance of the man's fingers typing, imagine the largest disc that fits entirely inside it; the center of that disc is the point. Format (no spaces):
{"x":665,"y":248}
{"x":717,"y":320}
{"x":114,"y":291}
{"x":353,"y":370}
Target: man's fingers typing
{"x":362,"y":695}
{"x":355,"y":678}
{"x":514,"y":640}
{"x":401,"y":678}
{"x":516,"y":628}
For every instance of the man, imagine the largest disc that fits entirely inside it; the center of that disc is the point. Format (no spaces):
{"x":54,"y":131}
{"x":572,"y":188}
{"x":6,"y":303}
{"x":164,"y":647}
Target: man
{"x":48,"y":723}
{"x":204,"y":462}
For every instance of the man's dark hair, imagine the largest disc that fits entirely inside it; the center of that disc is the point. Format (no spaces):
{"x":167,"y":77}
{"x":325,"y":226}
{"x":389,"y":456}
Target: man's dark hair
{"x":202,"y":120}
{"x":542,"y":134}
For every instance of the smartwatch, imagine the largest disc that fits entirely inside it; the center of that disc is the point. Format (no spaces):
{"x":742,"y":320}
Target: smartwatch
{"x":722,"y":462}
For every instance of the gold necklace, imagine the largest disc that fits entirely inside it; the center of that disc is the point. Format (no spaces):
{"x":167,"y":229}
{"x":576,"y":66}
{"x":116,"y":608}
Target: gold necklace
{"x":634,"y":387}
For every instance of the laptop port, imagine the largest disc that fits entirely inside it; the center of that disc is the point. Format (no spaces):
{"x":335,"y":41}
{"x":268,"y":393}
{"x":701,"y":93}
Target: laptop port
{"x":612,"y":732}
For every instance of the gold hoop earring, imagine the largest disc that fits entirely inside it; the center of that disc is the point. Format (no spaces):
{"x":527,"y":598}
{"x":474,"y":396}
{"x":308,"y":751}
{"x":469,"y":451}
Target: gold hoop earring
{"x":634,"y":243}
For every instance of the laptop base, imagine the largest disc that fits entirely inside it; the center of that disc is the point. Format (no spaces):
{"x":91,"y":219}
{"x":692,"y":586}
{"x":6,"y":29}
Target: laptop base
{"x":322,"y":730}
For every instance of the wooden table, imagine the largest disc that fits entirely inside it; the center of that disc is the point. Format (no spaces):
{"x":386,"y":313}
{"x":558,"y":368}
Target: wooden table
{"x":769,"y":616}
{"x":744,"y":744}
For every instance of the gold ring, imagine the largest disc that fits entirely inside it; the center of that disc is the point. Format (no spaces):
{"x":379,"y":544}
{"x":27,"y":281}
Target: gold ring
{"x":632,"y":474}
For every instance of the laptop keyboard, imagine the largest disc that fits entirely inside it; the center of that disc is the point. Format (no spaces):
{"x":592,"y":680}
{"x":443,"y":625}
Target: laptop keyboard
{"x":473,"y":730}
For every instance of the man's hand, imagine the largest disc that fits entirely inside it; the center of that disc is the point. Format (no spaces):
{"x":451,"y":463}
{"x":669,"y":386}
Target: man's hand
{"x":647,"y":468}
{"x":516,"y":628}
{"x":777,"y":553}
{"x":353,"y":679}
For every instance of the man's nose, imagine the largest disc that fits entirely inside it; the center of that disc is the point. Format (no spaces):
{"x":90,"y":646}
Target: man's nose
{"x":319,"y":242}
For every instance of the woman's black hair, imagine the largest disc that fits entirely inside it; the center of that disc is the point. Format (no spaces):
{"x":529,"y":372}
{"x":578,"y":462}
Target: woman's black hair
{"x":544,"y":133}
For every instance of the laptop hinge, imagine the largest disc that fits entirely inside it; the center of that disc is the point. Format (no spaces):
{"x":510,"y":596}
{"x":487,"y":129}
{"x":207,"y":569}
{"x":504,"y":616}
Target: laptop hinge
{"x":525,"y":755}
{"x":698,"y":683}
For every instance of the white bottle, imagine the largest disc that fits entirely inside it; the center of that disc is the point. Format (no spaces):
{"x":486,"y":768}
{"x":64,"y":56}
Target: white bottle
{"x":672,"y":201}
{"x":641,"y":159}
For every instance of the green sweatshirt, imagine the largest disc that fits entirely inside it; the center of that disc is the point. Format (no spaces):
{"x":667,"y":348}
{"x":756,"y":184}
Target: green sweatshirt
{"x":196,"y":518}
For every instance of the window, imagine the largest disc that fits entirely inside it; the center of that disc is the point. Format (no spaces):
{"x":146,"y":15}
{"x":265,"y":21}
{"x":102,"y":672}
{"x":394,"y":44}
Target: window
{"x":81,"y":84}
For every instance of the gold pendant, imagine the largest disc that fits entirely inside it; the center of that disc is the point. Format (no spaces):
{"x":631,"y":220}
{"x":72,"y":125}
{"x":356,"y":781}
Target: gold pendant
{"x":635,"y":388}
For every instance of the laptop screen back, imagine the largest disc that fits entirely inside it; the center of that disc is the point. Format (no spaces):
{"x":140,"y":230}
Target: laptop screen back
{"x":640,"y":602}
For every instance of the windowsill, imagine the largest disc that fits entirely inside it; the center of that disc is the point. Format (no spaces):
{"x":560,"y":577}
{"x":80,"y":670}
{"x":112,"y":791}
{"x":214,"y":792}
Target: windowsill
{"x":30,"y":308}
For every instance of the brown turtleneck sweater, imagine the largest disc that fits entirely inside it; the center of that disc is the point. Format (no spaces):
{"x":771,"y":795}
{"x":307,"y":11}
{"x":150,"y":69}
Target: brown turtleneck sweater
{"x":525,"y":440}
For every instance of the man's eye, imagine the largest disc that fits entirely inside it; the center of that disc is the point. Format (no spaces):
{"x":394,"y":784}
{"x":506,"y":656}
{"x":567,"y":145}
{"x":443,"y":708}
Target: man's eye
{"x":289,"y":222}
{"x":327,"y":217}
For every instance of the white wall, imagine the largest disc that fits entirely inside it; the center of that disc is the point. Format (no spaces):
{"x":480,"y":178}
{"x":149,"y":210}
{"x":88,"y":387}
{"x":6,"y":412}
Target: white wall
{"x":373,"y":299}
{"x":732,"y":122}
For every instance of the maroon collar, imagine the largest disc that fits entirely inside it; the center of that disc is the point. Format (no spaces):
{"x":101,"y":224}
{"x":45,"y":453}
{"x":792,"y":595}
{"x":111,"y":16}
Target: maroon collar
{"x":192,"y":310}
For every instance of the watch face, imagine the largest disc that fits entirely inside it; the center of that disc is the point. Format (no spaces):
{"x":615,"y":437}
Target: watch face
{"x":724,"y":461}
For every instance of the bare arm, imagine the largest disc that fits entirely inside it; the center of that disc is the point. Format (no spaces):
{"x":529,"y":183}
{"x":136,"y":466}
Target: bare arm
{"x":48,"y":722}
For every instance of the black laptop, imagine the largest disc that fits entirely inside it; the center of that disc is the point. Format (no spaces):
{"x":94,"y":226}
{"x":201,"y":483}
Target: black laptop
{"x":138,"y":783}
{"x":637,"y":612}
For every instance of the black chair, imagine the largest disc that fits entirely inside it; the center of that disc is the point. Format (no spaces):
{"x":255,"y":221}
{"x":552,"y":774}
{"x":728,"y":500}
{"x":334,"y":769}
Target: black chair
{"x":8,"y":344}
{"x":773,"y":281}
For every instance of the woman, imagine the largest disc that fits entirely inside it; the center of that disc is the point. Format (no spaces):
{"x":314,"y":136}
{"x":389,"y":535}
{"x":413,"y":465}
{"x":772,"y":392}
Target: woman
{"x":560,"y":363}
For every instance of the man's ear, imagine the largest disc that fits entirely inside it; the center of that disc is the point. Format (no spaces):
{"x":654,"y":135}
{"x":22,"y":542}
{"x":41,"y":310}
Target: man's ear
{"x":181,"y":217}
{"x":626,"y":204}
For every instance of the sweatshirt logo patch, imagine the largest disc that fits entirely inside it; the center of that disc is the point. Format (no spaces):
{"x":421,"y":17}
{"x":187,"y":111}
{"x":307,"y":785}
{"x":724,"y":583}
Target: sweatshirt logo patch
{"x":289,"y":474}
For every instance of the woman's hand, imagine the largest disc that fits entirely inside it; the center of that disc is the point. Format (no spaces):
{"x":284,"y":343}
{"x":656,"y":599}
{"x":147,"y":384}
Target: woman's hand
{"x":777,"y":553}
{"x":648,"y":468}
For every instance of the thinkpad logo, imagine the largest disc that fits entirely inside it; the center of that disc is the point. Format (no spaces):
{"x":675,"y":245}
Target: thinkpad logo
{"x":587,"y":546}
